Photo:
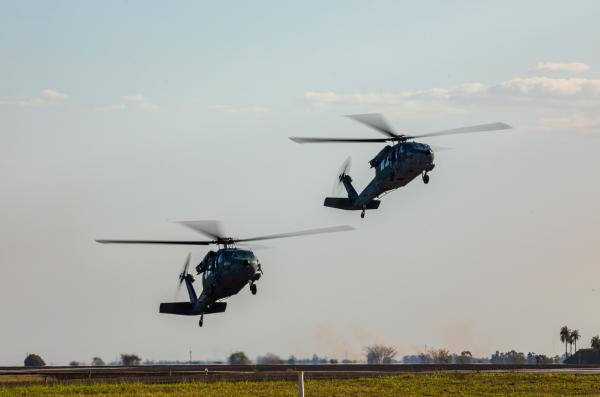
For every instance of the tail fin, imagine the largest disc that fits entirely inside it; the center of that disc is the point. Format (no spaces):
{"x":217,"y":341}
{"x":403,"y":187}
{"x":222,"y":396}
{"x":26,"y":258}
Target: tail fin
{"x":347,"y":181}
{"x":350,"y":202}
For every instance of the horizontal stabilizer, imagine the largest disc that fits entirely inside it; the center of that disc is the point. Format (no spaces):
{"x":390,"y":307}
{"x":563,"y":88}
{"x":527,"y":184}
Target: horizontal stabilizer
{"x":185,"y":308}
{"x":180,"y":308}
{"x":217,"y":307}
{"x":348,"y":204}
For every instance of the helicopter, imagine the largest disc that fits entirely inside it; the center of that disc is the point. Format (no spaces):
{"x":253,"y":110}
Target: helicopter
{"x":395,"y":166}
{"x":224,"y":272}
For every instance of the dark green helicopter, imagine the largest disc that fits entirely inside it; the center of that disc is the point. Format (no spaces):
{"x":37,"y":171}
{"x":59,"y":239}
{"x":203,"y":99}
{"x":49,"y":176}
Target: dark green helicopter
{"x":395,"y":166}
{"x":224,"y":272}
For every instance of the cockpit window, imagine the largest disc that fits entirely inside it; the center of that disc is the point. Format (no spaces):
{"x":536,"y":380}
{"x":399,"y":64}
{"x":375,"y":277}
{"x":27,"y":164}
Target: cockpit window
{"x":243,"y":255}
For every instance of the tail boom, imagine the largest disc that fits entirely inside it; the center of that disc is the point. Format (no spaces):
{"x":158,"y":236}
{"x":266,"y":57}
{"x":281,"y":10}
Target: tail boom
{"x":352,"y":203}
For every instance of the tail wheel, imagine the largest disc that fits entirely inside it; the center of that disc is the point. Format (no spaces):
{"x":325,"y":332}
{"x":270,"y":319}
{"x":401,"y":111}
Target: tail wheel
{"x":253,"y":289}
{"x":425,"y":178}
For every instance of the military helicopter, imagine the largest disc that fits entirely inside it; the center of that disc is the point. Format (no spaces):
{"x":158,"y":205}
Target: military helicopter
{"x":395,"y":166}
{"x":224,"y":272}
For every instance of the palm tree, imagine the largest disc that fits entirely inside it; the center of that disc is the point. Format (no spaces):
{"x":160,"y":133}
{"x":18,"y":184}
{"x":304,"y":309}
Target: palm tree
{"x":595,"y":342}
{"x":575,"y":337}
{"x":564,"y":337}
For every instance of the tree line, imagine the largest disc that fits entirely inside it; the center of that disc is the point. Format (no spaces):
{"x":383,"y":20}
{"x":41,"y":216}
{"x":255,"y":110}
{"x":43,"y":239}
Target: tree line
{"x":570,"y":337}
{"x":374,"y":354}
{"x":35,"y":360}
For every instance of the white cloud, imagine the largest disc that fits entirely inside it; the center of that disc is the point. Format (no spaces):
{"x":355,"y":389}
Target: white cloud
{"x":47,"y":97}
{"x":246,"y":109}
{"x":138,"y":98}
{"x":137,"y":102}
{"x":529,"y":87}
{"x":552,"y":101}
{"x":473,"y":88}
{"x":54,"y":95}
{"x":111,"y":108}
{"x":539,"y":85}
{"x":410,"y":104}
{"x":570,"y":67}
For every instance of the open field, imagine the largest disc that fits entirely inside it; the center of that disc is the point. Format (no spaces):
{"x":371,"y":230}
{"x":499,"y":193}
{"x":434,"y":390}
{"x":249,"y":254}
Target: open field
{"x":409,"y":384}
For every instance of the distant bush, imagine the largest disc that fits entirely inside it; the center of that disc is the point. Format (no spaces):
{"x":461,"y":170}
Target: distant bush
{"x":74,"y":363}
{"x":269,"y":358}
{"x":33,"y":360}
{"x":595,"y":342}
{"x":238,"y":358}
{"x":511,"y":357}
{"x":98,"y":362}
{"x":441,"y":356}
{"x":130,"y":359}
{"x":380,"y":354}
{"x":464,"y":358}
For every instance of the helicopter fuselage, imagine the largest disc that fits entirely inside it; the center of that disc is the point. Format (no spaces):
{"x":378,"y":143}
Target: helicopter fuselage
{"x":395,"y":166}
{"x":227,"y":271}
{"x":224,"y":272}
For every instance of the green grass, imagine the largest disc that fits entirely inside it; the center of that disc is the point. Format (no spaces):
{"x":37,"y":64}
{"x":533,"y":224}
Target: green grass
{"x":8,"y":379}
{"x":435,"y":384}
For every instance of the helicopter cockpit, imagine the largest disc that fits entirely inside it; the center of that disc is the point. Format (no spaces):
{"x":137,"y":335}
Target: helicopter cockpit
{"x":208,"y":263}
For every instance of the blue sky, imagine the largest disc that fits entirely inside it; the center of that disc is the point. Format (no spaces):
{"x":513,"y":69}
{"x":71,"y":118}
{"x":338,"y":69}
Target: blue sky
{"x":121,"y":117}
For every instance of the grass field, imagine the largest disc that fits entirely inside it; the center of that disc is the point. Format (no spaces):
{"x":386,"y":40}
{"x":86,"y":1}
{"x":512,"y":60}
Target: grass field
{"x":469,"y":384}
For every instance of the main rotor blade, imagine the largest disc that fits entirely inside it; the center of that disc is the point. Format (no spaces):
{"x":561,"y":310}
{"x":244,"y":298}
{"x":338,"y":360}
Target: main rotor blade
{"x":465,"y":130}
{"x":170,"y":242}
{"x":299,"y":233}
{"x":211,"y":229}
{"x":338,"y":140}
{"x":375,"y":121}
{"x":254,"y":246}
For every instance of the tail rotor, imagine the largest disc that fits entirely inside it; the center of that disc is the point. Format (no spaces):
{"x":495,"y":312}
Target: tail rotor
{"x":343,"y":171}
{"x":184,"y":273}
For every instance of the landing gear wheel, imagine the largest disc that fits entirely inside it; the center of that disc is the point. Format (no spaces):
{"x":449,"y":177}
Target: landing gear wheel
{"x":362,"y":214}
{"x":253,"y":289}
{"x":201,"y":322}
{"x":425,"y":178}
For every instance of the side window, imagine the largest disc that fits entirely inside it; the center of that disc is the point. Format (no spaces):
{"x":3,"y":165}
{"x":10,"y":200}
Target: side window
{"x":212,"y":264}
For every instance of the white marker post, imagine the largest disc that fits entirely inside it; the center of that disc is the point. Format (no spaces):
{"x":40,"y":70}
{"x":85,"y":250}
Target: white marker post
{"x":301,"y":384}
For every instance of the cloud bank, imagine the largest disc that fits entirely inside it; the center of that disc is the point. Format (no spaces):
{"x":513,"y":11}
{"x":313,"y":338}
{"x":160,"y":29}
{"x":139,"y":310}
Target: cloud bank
{"x":568,"y":101}
{"x":134,"y":102}
{"x":571,"y":67}
{"x":47,"y":97}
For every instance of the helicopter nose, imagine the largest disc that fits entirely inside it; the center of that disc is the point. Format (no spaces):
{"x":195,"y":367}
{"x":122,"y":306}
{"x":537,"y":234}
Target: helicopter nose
{"x":251,"y":265}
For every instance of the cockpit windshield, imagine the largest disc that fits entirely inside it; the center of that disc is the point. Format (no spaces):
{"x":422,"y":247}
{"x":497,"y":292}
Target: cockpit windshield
{"x":243,"y":255}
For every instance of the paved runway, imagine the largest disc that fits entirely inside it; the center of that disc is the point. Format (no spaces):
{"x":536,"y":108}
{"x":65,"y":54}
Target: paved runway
{"x":178,"y":373}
